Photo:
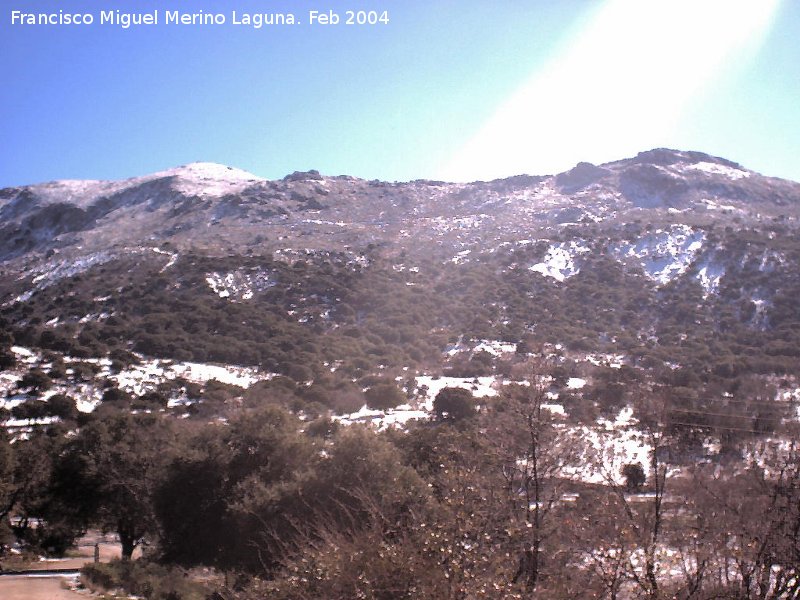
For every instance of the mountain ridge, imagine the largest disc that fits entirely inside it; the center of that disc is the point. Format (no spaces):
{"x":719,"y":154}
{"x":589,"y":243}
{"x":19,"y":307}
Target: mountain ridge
{"x":232,"y":204}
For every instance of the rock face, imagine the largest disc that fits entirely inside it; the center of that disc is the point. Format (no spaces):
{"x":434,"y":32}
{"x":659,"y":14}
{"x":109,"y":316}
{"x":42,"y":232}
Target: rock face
{"x":580,"y":177}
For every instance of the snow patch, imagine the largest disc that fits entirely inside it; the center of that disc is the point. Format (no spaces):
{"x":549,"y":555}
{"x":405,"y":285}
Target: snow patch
{"x":496,"y":348}
{"x":613,"y":444}
{"x":240,"y":284}
{"x":479,"y":386}
{"x":396,"y":417}
{"x":717,"y":169}
{"x":663,"y":255}
{"x":709,"y":274}
{"x":576,"y":383}
{"x":208,"y":179}
{"x":559,"y":263}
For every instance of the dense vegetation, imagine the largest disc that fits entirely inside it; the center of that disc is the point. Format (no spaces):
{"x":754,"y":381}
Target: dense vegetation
{"x":327,"y":309}
{"x":473,"y":503}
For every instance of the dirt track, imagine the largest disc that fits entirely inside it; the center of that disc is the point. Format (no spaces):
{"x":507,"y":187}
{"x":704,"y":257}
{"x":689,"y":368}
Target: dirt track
{"x":26,"y":588}
{"x":51,"y":588}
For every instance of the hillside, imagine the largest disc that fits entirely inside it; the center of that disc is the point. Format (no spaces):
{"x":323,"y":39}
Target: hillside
{"x":646,"y":256}
{"x":616,"y":345}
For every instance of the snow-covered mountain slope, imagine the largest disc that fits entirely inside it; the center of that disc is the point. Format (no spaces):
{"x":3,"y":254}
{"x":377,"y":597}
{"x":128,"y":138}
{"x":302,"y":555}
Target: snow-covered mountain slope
{"x":274,"y":272}
{"x":216,"y":208}
{"x":662,"y":254}
{"x":202,"y":179}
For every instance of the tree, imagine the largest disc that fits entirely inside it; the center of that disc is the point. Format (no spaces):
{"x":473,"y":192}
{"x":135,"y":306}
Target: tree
{"x":384,"y":396}
{"x":36,"y":380}
{"x":8,"y":489}
{"x":108,"y":475}
{"x":7,"y":357}
{"x":28,"y":493}
{"x":454,"y":404}
{"x":535,"y":458}
{"x":634,"y":475}
{"x":30,"y":410}
{"x":191,"y":502}
{"x":116,"y":395}
{"x":234,"y":490}
{"x":751,"y":518}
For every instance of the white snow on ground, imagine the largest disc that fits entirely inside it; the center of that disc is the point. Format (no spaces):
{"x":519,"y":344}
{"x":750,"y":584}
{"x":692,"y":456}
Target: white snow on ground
{"x":25,"y":355}
{"x":613,"y":444}
{"x":448,"y":224}
{"x":496,"y":348}
{"x":716,"y":169}
{"x":202,"y":179}
{"x":760,"y":317}
{"x":145,"y":376}
{"x":394,"y":417}
{"x":173,"y":257}
{"x":199,"y":372}
{"x":240,"y":284}
{"x":433,"y":385}
{"x":663,"y":255}
{"x":55,"y":270}
{"x":712,"y":205}
{"x":615,"y":361}
{"x":709,"y":274}
{"x":575,"y":383}
{"x":559,"y":262}
{"x":479,"y":386}
{"x":136,"y":379}
{"x":770,"y":260}
{"x":556,"y":409}
{"x":208,"y":179}
{"x":319,"y":222}
{"x":493,"y":347}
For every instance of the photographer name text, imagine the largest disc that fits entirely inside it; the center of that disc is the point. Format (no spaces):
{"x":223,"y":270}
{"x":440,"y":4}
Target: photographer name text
{"x":127,"y":20}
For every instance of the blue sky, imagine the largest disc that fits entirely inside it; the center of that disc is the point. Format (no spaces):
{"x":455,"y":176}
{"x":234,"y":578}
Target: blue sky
{"x":451,"y":89}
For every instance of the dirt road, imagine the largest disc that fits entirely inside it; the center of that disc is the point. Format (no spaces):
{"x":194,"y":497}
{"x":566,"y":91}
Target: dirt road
{"x":39,"y":588}
{"x":21,"y":587}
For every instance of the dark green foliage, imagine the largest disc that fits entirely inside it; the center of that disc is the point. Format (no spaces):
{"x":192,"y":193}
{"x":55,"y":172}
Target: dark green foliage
{"x":7,"y":359}
{"x":232,"y":490}
{"x":35,"y":381}
{"x":454,"y":404}
{"x":384,"y":396}
{"x":31,"y":409}
{"x":150,"y":401}
{"x":62,"y":406}
{"x":325,"y":309}
{"x":634,"y":475}
{"x":108,"y":473}
{"x":142,"y":579}
{"x":117,"y":396}
{"x":323,"y":428}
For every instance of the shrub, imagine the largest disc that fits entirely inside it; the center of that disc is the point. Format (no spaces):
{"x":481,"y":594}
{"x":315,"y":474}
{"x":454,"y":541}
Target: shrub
{"x":62,"y":406}
{"x":454,"y":404}
{"x":634,"y":475}
{"x":144,"y":579}
{"x":384,"y":396}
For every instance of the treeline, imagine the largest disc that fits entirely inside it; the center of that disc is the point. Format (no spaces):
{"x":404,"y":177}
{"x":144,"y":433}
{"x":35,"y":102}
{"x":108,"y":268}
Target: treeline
{"x":498,"y":502}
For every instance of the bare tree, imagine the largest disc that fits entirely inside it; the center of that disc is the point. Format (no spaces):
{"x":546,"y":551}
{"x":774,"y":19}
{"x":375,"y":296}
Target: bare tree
{"x":536,"y":457}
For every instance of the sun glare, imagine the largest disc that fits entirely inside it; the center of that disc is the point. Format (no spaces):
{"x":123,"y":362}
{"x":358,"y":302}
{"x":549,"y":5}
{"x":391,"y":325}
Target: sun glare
{"x":620,"y":85}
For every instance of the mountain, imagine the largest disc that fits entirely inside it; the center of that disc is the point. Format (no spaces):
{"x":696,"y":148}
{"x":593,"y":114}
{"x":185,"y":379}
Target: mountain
{"x":671,"y":258}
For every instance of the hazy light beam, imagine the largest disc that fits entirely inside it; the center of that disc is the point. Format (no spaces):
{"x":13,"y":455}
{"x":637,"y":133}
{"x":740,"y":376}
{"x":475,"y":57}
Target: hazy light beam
{"x":621,"y":86}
